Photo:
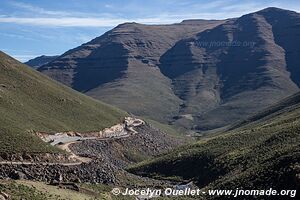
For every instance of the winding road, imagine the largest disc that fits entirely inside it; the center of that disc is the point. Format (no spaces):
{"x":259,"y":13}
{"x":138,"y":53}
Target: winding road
{"x":63,"y":142}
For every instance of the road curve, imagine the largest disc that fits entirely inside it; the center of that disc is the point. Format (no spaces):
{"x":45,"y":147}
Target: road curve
{"x":129,"y":125}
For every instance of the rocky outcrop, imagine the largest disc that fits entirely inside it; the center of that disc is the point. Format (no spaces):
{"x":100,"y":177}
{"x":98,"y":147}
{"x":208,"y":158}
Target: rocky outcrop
{"x":35,"y":157}
{"x":123,"y":151}
{"x":96,"y":171}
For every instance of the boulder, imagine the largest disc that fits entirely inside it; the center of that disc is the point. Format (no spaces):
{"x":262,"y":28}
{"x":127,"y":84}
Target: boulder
{"x":17,"y":175}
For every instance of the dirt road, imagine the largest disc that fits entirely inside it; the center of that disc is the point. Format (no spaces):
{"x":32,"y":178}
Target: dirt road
{"x":63,"y":141}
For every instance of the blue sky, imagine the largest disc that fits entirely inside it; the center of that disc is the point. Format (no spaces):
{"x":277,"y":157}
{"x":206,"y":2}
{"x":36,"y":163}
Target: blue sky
{"x":49,"y":27}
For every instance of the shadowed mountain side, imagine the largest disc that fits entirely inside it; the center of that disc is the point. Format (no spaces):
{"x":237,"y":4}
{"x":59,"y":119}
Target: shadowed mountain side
{"x":90,"y":66}
{"x":228,"y":72}
{"x":286,"y":31}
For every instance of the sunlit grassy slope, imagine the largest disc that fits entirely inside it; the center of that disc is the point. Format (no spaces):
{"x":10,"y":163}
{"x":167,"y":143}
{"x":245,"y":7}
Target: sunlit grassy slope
{"x":30,"y":101}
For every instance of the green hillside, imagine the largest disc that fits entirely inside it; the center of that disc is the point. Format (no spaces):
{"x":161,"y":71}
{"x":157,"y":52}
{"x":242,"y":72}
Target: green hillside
{"x":264,"y":153}
{"x":30,"y":102}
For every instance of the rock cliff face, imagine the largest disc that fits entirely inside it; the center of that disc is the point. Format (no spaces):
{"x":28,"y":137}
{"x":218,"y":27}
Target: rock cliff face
{"x":198,"y":74}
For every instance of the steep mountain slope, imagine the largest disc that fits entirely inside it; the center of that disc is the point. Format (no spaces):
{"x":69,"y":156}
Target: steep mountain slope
{"x":235,"y":69}
{"x":39,"y":61}
{"x":263,"y":153}
{"x":286,"y":28}
{"x":200,"y":75}
{"x":30,"y":101}
{"x":121,"y":67}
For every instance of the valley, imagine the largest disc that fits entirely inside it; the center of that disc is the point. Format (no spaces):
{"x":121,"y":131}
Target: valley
{"x":262,"y":151}
{"x":75,"y":145}
{"x":204,"y":104}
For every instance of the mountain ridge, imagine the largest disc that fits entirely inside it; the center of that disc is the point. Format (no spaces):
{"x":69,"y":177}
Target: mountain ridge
{"x":117,"y":74}
{"x":190,"y":74}
{"x":40,"y":60}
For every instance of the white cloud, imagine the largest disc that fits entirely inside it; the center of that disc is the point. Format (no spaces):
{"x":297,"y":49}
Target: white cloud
{"x":32,"y":10}
{"x":224,"y":9}
{"x":82,"y":22}
{"x":38,"y":10}
{"x":110,"y":22}
{"x":67,"y":21}
{"x":163,"y":18}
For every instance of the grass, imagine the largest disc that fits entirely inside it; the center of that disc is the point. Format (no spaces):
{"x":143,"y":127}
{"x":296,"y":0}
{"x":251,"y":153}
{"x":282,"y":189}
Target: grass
{"x":20,"y":191}
{"x":169,"y":129}
{"x":30,"y":102}
{"x":134,"y":156}
{"x":260,"y":154}
{"x":33,"y":190}
{"x":146,"y":92}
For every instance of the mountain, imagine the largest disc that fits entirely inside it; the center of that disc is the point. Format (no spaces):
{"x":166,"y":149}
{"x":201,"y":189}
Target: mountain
{"x":235,"y":69}
{"x":121,"y":67}
{"x":199,"y":75}
{"x":31,"y":102}
{"x":264,"y":152}
{"x":93,"y":141}
{"x":39,"y":61}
